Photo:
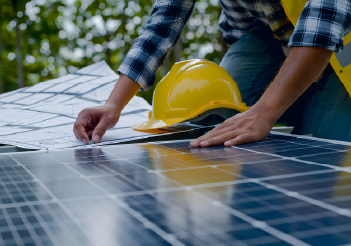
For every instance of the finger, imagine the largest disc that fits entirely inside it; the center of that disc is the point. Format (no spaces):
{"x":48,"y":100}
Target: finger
{"x":242,"y":139}
{"x":80,"y":127}
{"x":90,"y":133}
{"x":75,"y":134}
{"x":100,"y":130}
{"x":211,"y":134}
{"x":81,"y":132}
{"x":196,"y":143}
{"x":219,"y":139}
{"x":227,"y":125}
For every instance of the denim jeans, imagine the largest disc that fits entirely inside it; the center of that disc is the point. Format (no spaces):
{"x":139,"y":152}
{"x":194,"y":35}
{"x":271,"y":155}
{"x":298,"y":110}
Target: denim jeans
{"x":324,"y":110}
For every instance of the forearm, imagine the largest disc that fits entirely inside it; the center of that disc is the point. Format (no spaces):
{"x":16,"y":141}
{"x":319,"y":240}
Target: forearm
{"x":300,"y":70}
{"x":124,"y":90}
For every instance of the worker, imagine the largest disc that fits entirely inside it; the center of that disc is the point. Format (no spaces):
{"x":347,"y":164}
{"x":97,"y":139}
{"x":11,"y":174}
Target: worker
{"x":279,"y":62}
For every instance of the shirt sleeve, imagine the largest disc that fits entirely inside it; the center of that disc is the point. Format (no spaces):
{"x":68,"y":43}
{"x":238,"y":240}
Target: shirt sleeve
{"x":323,"y":23}
{"x":156,"y":40}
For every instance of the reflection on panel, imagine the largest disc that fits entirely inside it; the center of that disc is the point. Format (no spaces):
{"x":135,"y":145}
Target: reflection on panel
{"x":281,"y":191}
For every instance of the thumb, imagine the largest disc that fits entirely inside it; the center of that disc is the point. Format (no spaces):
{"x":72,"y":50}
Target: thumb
{"x":99,"y":130}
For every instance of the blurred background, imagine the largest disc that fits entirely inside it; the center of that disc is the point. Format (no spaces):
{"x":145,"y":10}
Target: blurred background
{"x":45,"y":39}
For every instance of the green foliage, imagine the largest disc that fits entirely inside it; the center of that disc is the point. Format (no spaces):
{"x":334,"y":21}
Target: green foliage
{"x":61,"y":36}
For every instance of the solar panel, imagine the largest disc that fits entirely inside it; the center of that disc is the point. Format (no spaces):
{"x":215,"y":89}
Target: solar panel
{"x":284,"y":190}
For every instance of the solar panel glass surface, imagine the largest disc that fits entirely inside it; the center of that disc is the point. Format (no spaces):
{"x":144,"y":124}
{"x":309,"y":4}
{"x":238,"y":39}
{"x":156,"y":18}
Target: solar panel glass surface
{"x":282,"y":191}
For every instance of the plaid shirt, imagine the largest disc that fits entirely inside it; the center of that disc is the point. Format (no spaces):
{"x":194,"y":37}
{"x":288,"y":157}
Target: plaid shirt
{"x":323,"y":23}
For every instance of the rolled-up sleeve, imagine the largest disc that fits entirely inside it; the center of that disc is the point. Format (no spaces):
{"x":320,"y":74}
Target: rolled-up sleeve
{"x":323,"y":23}
{"x":156,"y":40}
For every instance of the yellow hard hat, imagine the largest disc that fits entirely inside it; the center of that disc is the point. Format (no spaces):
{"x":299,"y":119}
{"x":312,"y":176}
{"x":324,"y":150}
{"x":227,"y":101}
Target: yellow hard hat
{"x":191,"y":91}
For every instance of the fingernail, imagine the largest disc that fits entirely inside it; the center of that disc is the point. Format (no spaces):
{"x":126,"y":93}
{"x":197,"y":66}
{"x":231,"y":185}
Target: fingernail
{"x":96,"y":139}
{"x":86,"y":141}
{"x":204,"y":143}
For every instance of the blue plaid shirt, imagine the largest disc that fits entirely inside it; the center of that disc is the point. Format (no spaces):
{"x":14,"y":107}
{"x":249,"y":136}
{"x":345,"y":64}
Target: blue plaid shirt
{"x":323,"y":23}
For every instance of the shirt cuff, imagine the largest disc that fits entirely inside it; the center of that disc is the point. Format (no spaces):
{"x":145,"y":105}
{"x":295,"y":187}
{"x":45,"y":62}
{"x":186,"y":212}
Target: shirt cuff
{"x":144,"y":60}
{"x":319,"y":26}
{"x":139,"y":66}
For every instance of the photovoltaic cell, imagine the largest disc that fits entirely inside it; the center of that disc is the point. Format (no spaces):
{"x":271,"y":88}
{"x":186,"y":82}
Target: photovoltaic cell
{"x":283,"y":190}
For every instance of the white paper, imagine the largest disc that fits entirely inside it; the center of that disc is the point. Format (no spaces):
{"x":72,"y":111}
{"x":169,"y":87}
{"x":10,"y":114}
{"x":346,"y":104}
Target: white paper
{"x":42,"y":116}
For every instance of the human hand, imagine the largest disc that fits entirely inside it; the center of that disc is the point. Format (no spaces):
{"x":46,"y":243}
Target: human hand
{"x":250,"y":126}
{"x":92,"y":123}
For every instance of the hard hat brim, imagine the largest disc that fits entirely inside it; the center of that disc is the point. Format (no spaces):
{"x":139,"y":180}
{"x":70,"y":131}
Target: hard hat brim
{"x":153,"y":124}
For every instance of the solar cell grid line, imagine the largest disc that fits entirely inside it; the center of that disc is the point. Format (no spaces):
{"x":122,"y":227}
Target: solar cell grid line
{"x":251,"y":198}
{"x":339,"y":197}
{"x":168,"y":165}
{"x":274,"y":169}
{"x":206,"y":230}
{"x":336,"y":168}
{"x":255,"y":179}
{"x":203,"y":173}
{"x":304,"y":150}
{"x":292,"y":175}
{"x":312,"y":180}
{"x":10,"y":174}
{"x":261,"y":225}
{"x":167,"y":237}
{"x":281,"y":222}
{"x":106,"y":168}
{"x":309,"y":226}
{"x":319,"y":232}
{"x":331,"y":159}
{"x":256,"y":223}
{"x":67,"y":226}
{"x":28,"y":225}
{"x":29,"y":230}
{"x":12,"y":235}
{"x":330,"y":207}
{"x":111,"y":170}
{"x":306,"y":158}
{"x":206,"y":162}
{"x":24,"y":192}
{"x":46,"y":224}
{"x":142,"y":219}
{"x":120,"y":167}
{"x":91,"y":169}
{"x":344,"y":212}
{"x":44,"y":229}
{"x":67,"y":211}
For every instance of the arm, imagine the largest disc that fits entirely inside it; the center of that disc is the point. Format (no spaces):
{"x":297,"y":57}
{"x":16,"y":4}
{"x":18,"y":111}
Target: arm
{"x":140,"y":65}
{"x":318,"y":32}
{"x":300,"y":70}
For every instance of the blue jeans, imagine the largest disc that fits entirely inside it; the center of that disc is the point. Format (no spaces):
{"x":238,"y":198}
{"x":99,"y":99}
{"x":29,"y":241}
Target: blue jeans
{"x":324,"y":110}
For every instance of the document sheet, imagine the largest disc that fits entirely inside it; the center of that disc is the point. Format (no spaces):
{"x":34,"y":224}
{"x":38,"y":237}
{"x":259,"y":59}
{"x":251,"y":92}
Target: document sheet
{"x":42,"y":116}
